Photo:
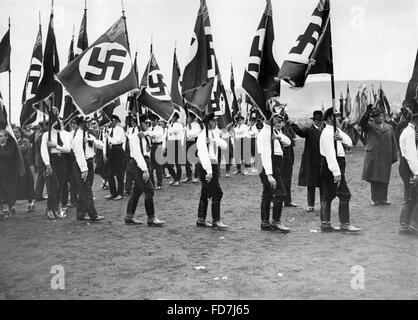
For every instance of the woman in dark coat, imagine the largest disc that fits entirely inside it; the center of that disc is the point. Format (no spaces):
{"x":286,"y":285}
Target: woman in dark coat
{"x":8,"y":171}
{"x":25,"y":190}
{"x":309,"y":173}
{"x":381,"y":153}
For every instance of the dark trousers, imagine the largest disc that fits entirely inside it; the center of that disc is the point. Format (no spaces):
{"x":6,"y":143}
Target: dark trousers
{"x":55,"y":182}
{"x":175,"y":174}
{"x":85,"y":202}
{"x":156,"y":157}
{"x":230,"y":156}
{"x":242,"y":152}
{"x":129,"y":179}
{"x":332,"y":190}
{"x":379,"y":191}
{"x":8,"y":186}
{"x":70,"y":183}
{"x":190,"y":144}
{"x":269,"y":194}
{"x":210,"y":190}
{"x":40,"y":181}
{"x":141,"y":186}
{"x":114,"y":168}
{"x":409,"y":213}
{"x":311,"y":196}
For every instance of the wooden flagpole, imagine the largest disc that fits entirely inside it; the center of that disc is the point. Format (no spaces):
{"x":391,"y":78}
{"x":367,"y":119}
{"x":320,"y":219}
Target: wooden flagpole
{"x":10,"y":84}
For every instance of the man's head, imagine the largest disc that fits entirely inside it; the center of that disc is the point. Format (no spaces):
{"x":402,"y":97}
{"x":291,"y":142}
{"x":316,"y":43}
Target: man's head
{"x":17,"y":131}
{"x":154,"y":119}
{"x":144,"y":122}
{"x":4,"y":135}
{"x":115,"y":120}
{"x":277,"y":121}
{"x":328,"y":116}
{"x":317,"y":118}
{"x":240,"y":119}
{"x":377,"y":115}
{"x":132,"y":121}
{"x":211,"y":120}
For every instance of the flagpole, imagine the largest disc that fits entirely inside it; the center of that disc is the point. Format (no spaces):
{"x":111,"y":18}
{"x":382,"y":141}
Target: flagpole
{"x":53,"y":88}
{"x":40,"y":30}
{"x":334,"y":118}
{"x":10,"y":84}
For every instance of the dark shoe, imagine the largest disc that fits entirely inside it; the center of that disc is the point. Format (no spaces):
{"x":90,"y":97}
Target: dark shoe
{"x":31,"y":208}
{"x":385,"y":203}
{"x":310,"y":209}
{"x":185,"y":180}
{"x":266,"y":226}
{"x":279,"y":226}
{"x":328,"y":227}
{"x":155,"y":222}
{"x":404,"y":230}
{"x":291,"y":204}
{"x":83,"y":218}
{"x":133,"y":221}
{"x":118,"y":197}
{"x":50,"y":215}
{"x":413,"y":230}
{"x":219,"y":225}
{"x":97,"y":219}
{"x":201,"y":223}
{"x":374,"y":203}
{"x":346,"y":227}
{"x":41,"y":199}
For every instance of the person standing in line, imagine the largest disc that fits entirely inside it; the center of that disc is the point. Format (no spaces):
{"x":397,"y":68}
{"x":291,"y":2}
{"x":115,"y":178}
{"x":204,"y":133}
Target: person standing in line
{"x":240,"y":134}
{"x":381,"y":153}
{"x":157,"y":135}
{"x":208,"y":142}
{"x":39,"y":164}
{"x":132,"y":129}
{"x":175,"y":137}
{"x":227,"y":136}
{"x":309,"y":173}
{"x":192,"y":131}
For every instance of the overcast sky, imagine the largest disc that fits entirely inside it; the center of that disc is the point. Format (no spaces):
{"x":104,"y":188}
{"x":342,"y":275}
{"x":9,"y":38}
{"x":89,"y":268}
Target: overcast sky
{"x":372,"y":39}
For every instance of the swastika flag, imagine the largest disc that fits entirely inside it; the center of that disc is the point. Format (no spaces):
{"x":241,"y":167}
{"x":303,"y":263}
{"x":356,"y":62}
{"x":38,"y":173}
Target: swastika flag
{"x":28,"y":113}
{"x":102,"y":72}
{"x":154,"y":93}
{"x":312,"y":52}
{"x":262,"y":69}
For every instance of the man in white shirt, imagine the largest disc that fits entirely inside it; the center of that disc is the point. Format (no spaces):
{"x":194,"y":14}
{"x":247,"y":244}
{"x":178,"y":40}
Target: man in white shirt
{"x":83,"y":145}
{"x":333,"y":176}
{"x":175,"y":137}
{"x":140,"y":167}
{"x":53,"y":148}
{"x":408,"y":170}
{"x":157,"y":135}
{"x":229,"y":154}
{"x":114,"y":153}
{"x":208,"y":142}
{"x":132,"y":129}
{"x":192,"y":131}
{"x":269,"y":145}
{"x":241,"y":148}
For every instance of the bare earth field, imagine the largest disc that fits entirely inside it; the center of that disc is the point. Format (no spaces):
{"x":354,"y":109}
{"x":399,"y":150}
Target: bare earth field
{"x":110,"y":260}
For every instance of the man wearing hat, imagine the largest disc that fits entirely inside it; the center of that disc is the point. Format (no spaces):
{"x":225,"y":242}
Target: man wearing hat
{"x":114,"y":153}
{"x":242,"y":150}
{"x":269,"y":144}
{"x":54,"y":145}
{"x":140,"y":168}
{"x":156,"y":133}
{"x":381,"y":153}
{"x":208,"y":143}
{"x":309,"y":175}
{"x":333,"y":176}
{"x":83,"y":145}
{"x":408,"y":170}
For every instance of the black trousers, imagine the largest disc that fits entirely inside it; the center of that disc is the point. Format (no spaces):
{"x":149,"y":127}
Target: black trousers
{"x":8,"y":186}
{"x":129,"y":179}
{"x":70,"y":183}
{"x":409,"y":212}
{"x":174,"y":150}
{"x":141,"y":186}
{"x":332,"y":190}
{"x":55,"y":182}
{"x":379,"y":191}
{"x":269,"y":194}
{"x":40,"y":182}
{"x":190,"y":144}
{"x":230,"y":156}
{"x":311,"y":196}
{"x":211,"y":190}
{"x":114,"y":168}
{"x":85,"y":202}
{"x":242,"y":152}
{"x":156,"y":157}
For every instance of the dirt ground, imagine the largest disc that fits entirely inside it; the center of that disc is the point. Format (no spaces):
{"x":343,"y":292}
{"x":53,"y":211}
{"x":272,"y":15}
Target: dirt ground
{"x":110,"y":260}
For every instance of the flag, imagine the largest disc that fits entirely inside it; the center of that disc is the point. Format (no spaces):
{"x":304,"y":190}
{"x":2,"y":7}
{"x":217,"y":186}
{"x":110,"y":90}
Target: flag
{"x":347,"y":103}
{"x":176,"y":84}
{"x":82,"y":43}
{"x":382,"y":102}
{"x":153,"y":91}
{"x":262,"y":69}
{"x":411,"y":95}
{"x":5,"y":125}
{"x":71,"y":55}
{"x":28,"y":113}
{"x":219,"y":103}
{"x":5,"y":50}
{"x":107,"y":111}
{"x":101,"y":73}
{"x":342,"y":105}
{"x":355,"y":114}
{"x":312,"y":53}
{"x":235,"y":108}
{"x":199,"y":73}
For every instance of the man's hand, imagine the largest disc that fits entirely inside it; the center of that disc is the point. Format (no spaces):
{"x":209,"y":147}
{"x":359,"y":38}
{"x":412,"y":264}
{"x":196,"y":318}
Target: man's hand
{"x":337,"y":179}
{"x":276,"y":136}
{"x":337,"y":136}
{"x":209,"y":177}
{"x":141,"y":134}
{"x":272,"y":181}
{"x":51,"y":144}
{"x":48,"y":171}
{"x":145,"y":175}
{"x":84,"y":175}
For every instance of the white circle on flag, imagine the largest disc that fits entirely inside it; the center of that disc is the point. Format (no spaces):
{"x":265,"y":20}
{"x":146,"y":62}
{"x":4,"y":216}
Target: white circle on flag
{"x":105,"y":64}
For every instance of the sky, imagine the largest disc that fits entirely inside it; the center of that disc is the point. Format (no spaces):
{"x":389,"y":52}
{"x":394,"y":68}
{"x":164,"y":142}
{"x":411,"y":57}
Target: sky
{"x":372,"y":39}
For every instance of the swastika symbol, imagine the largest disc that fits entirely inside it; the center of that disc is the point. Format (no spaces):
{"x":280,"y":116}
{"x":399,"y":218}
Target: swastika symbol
{"x":253,"y":67}
{"x":33,"y":78}
{"x":104,"y":64}
{"x":156,"y":86}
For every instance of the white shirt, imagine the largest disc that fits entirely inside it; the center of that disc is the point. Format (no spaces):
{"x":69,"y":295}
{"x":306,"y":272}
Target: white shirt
{"x":175,"y":131}
{"x":253,"y":131}
{"x":327,"y":149}
{"x":241,"y":131}
{"x":156,"y":134}
{"x":193,"y":130}
{"x":264,"y":146}
{"x":135,"y":147}
{"x":65,"y":148}
{"x":408,"y":147}
{"x":118,"y":136}
{"x":209,"y":153}
{"x":77,"y":146}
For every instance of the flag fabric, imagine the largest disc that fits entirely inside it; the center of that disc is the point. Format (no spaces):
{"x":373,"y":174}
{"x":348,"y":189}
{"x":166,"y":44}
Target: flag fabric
{"x":82,"y":43}
{"x":312,"y":53}
{"x":347,"y":102}
{"x":355,"y":114}
{"x":411,"y":95}
{"x":71,"y":55}
{"x":5,"y":125}
{"x":382,"y":102}
{"x":5,"y":50}
{"x":28,"y":114}
{"x":107,"y":111}
{"x":343,"y":114}
{"x":176,"y":84}
{"x":219,"y":102}
{"x":154,"y":92}
{"x":101,"y":73}
{"x":199,"y":73}
{"x":235,"y":107}
{"x":260,"y":76}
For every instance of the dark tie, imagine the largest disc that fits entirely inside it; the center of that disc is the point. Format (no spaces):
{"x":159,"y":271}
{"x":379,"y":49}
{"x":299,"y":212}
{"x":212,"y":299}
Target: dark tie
{"x":59,"y":141}
{"x":111,"y":133}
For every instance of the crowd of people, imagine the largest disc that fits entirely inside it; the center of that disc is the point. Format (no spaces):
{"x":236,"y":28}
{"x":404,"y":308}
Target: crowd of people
{"x":134,"y":159}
